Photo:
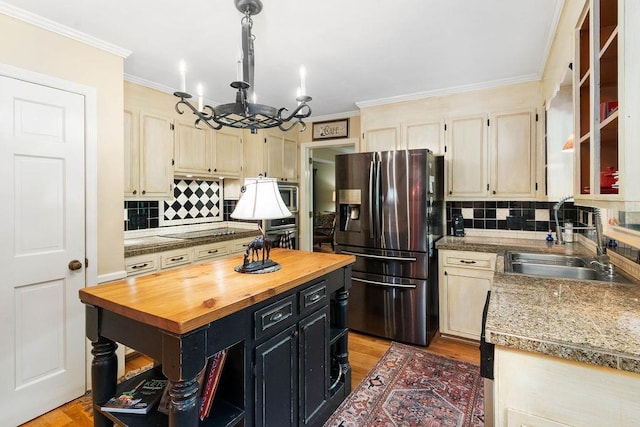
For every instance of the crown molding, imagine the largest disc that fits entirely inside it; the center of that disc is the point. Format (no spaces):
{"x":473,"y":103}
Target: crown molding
{"x":55,"y":27}
{"x":449,"y":91}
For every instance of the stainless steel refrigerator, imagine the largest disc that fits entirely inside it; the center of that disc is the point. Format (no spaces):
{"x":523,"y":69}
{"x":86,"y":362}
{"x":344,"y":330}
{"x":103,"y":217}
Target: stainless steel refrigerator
{"x":389,"y":208}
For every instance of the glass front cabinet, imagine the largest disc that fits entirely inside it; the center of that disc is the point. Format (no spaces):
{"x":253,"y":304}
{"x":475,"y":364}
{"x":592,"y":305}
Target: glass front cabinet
{"x":607,"y":104}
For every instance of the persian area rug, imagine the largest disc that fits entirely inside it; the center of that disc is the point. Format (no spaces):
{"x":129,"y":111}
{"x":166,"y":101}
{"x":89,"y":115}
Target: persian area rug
{"x":411,"y":387}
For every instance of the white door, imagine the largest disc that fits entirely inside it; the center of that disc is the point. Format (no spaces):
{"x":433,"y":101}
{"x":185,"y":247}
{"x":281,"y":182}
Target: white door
{"x":42,"y":229}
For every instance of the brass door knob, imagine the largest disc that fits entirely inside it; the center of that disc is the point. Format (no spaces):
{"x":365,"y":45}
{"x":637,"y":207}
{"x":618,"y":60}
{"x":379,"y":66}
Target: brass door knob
{"x":75,"y":265}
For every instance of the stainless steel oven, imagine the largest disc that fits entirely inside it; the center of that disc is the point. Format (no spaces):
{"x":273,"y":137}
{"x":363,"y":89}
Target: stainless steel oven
{"x":284,"y":231}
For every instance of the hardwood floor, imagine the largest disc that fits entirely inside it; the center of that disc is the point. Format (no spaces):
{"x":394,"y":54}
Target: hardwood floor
{"x":364,"y":352}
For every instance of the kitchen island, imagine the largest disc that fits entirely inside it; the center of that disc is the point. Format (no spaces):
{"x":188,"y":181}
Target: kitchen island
{"x":285,"y":334}
{"x":567,"y":352}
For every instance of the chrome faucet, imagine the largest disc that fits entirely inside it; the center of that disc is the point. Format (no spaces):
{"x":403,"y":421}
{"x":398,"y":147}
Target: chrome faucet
{"x":601,"y":251}
{"x":556,"y":207}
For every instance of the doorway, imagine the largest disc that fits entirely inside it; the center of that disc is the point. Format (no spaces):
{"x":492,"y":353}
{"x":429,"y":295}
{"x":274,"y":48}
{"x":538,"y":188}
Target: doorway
{"x":318,"y":185}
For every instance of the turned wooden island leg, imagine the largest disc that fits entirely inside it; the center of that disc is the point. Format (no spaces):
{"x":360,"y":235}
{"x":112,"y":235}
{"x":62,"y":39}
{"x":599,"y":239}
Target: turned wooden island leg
{"x":184,"y":403}
{"x":104,"y":372}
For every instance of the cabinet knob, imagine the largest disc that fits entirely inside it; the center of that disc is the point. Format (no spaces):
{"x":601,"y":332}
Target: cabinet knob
{"x":215,"y":170}
{"x":209,"y":170}
{"x":144,"y":192}
{"x":135,"y":191}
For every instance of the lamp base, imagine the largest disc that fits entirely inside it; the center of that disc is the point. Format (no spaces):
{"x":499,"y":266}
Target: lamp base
{"x":258,"y":267}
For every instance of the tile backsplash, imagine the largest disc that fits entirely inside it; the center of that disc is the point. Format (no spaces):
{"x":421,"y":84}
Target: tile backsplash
{"x":140,"y":215}
{"x":194,"y":202}
{"x":516,"y":215}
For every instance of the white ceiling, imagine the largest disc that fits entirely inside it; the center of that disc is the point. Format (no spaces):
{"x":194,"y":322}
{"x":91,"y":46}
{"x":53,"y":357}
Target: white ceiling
{"x":360,"y":52}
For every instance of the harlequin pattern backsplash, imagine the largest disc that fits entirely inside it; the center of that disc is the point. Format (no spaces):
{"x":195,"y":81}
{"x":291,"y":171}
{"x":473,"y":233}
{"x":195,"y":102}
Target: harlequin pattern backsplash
{"x":194,"y":201}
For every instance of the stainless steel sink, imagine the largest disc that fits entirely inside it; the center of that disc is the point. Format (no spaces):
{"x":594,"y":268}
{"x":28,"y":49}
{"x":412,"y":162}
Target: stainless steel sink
{"x":548,"y":259}
{"x":559,"y":266}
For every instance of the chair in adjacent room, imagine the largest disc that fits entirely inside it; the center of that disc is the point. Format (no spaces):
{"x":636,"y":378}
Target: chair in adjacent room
{"x":324,"y":229}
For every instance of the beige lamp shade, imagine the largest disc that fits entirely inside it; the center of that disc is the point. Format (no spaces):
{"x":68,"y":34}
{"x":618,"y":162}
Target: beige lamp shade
{"x":260,"y":199}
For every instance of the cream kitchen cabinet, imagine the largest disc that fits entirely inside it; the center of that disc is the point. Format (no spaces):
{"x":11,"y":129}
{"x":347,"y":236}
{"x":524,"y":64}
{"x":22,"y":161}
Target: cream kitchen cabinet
{"x":254,"y":149}
{"x":492,"y":156}
{"x":384,"y":139}
{"x":536,"y":390}
{"x":423,"y":135}
{"x":141,"y":264}
{"x":207,"y":152}
{"x":148,"y":141}
{"x":405,"y":136}
{"x":271,"y":153}
{"x":281,"y":157}
{"x":150,"y":263}
{"x":193,"y":150}
{"x":607,"y":105}
{"x":228,"y":153}
{"x":465,"y":278}
{"x":466,"y":152}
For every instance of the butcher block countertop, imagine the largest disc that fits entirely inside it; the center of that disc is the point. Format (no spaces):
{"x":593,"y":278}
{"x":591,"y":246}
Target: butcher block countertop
{"x":186,"y":298}
{"x":581,"y":320}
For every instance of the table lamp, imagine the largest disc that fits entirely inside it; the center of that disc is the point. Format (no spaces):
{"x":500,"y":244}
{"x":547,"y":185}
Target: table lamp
{"x":259,"y":200}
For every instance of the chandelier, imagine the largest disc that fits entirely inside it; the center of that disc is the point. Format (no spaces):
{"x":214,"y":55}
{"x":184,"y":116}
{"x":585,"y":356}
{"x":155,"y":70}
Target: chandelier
{"x":244,"y":114}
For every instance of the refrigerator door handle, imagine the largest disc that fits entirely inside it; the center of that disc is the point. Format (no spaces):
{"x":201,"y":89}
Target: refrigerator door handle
{"x":371,"y":199}
{"x":386,"y":285}
{"x":379,"y":202}
{"x":391,"y":258}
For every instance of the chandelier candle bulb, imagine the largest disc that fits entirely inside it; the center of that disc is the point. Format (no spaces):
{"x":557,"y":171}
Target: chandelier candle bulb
{"x":239,"y":71}
{"x":183,"y":76}
{"x":200,"y":96}
{"x":303,"y":80}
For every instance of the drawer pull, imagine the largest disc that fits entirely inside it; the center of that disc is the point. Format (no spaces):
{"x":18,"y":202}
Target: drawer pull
{"x":212,"y":251}
{"x":314,"y":298}
{"x":180,"y":258}
{"x":133,"y":267}
{"x":464,"y":261}
{"x":276,"y":317}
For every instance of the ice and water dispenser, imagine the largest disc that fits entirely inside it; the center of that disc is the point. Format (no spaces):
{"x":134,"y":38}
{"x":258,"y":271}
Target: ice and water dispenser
{"x":349,"y":203}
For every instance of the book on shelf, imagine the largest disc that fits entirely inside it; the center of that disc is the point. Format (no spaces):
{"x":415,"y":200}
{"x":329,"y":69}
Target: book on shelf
{"x":143,"y":395}
{"x":212,"y":379}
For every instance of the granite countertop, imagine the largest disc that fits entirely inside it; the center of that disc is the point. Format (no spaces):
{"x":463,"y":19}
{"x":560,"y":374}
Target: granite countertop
{"x":580,"y":320}
{"x":167,"y":242}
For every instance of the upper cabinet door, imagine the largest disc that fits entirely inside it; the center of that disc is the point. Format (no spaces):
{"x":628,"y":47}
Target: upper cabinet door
{"x":424,"y":135}
{"x":156,"y":155}
{"x":131,"y":153}
{"x":275,"y":165}
{"x":290,"y":160}
{"x":193,"y":150}
{"x":253,"y":150}
{"x":148,"y":155}
{"x":512,"y":154}
{"x":467,"y":155}
{"x":385,"y":139}
{"x":228,"y":158}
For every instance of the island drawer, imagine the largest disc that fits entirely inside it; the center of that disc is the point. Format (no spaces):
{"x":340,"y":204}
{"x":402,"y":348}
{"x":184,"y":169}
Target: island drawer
{"x":313,"y":297}
{"x":275,"y":316}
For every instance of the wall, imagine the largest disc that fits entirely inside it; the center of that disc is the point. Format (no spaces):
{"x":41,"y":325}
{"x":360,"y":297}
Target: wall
{"x":324,"y":186}
{"x":26,"y":46}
